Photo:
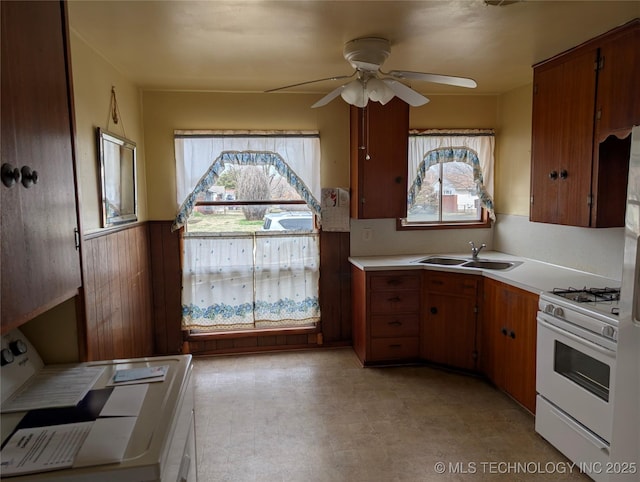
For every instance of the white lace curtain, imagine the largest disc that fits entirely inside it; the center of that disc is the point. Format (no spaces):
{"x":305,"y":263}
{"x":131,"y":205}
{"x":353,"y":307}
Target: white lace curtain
{"x":252,"y":280}
{"x":201,"y":156}
{"x":472,"y":146}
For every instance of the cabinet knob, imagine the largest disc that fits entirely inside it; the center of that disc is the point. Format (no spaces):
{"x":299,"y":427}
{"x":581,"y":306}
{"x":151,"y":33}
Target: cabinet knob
{"x":398,"y":179}
{"x":553,"y":175}
{"x":564,"y":174}
{"x":28,"y":176}
{"x":434,"y":310}
{"x":504,"y":331}
{"x":10,"y":174}
{"x":512,"y":334}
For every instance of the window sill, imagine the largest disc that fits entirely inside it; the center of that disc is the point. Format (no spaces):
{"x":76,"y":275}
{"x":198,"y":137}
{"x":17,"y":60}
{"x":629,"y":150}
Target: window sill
{"x":401,"y":226}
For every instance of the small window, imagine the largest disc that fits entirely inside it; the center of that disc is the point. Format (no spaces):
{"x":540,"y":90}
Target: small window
{"x":447,"y":172}
{"x":448,"y":194}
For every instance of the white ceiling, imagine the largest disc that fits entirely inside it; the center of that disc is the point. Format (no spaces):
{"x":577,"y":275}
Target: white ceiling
{"x":255,"y":45}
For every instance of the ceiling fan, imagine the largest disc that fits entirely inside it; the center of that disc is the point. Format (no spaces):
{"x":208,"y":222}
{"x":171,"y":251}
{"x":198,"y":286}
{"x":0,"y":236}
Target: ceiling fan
{"x":366,"y":55}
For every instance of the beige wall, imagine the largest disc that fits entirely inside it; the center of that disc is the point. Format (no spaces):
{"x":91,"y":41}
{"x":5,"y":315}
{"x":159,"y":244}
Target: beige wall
{"x":513,"y":152}
{"x":93,"y":78}
{"x":164,"y":112}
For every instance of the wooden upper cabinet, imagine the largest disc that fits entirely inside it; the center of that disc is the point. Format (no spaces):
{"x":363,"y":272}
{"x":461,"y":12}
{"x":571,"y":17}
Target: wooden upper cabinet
{"x":379,"y":160}
{"x":618,"y":102}
{"x":562,"y":140}
{"x":580,"y":98}
{"x":40,"y":262}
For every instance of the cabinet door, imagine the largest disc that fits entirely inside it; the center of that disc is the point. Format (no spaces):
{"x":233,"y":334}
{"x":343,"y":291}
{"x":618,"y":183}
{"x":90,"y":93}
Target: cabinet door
{"x":379,"y":160}
{"x":618,"y":102}
{"x":562,"y":139}
{"x":509,"y":340}
{"x":449,"y":334}
{"x":449,"y":328}
{"x":40,"y":263}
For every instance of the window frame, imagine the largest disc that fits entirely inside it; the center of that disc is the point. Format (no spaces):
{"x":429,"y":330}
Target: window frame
{"x":485,"y":220}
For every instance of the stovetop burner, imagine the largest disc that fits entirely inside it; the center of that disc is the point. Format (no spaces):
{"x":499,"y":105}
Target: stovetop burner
{"x":589,"y":295}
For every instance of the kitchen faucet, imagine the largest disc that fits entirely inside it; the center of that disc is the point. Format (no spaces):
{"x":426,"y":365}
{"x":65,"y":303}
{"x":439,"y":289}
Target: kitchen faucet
{"x":475,"y":251}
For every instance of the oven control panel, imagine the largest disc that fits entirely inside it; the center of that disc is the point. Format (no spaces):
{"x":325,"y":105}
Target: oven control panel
{"x":19,"y":360}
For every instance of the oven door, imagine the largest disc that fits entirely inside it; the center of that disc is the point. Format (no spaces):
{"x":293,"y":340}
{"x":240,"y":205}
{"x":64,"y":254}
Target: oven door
{"x":575,"y":374}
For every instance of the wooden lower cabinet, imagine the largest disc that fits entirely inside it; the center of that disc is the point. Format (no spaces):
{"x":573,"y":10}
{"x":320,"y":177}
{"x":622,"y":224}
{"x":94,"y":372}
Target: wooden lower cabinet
{"x":386,"y":315}
{"x":449,"y":330}
{"x":508,"y":357}
{"x":462,"y":321}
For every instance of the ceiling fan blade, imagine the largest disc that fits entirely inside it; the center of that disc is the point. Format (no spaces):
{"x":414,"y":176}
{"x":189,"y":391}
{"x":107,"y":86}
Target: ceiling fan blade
{"x":405,"y":93}
{"x":335,"y":77}
{"x":329,"y":97}
{"x":436,"y":78}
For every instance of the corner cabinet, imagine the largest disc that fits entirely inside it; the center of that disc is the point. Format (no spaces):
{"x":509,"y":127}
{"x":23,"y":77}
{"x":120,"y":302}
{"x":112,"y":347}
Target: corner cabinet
{"x":449,"y":329}
{"x":40,"y":260}
{"x":386,"y":315}
{"x":584,"y":105}
{"x":379,"y":160}
{"x":508,"y":355}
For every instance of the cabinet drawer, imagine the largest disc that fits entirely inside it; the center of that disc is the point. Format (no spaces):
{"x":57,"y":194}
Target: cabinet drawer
{"x":399,"y":281}
{"x":394,"y":348}
{"x":395,"y":325}
{"x":395,"y":302}
{"x":452,"y":284}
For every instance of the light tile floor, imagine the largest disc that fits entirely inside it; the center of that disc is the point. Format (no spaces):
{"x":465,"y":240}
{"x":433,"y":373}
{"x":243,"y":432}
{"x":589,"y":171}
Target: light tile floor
{"x":319,"y":416}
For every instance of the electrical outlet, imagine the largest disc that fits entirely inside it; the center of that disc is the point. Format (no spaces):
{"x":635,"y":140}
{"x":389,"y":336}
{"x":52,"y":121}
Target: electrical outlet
{"x":366,"y":234}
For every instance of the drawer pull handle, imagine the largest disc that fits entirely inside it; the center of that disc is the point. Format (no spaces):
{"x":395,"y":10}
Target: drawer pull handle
{"x":395,"y":299}
{"x":437,"y":282}
{"x":395,"y":323}
{"x":395,"y":346}
{"x":394,"y":282}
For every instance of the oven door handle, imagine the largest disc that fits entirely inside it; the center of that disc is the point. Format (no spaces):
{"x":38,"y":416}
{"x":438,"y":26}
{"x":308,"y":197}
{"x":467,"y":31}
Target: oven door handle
{"x":577,"y":339}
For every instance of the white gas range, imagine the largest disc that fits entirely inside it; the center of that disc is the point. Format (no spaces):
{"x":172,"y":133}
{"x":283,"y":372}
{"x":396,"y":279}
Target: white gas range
{"x":575,"y":372}
{"x":155,"y":435}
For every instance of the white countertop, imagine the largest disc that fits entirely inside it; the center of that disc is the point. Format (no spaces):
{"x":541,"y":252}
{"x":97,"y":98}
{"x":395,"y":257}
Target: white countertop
{"x":531,"y":275}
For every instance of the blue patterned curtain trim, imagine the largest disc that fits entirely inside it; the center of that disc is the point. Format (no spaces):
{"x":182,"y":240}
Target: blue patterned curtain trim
{"x":449,"y":154}
{"x":244,"y":158}
{"x":219,"y":314}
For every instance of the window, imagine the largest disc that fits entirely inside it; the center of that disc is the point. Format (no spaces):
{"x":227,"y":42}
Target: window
{"x":248,"y":201}
{"x":450,"y":178}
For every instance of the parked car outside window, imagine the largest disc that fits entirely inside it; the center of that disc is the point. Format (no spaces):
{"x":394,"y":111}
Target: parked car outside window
{"x":288,"y":221}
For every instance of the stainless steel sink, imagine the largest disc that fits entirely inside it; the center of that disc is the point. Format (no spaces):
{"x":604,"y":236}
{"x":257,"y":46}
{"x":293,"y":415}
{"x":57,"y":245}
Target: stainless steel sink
{"x":442,"y":261}
{"x":488,"y":264}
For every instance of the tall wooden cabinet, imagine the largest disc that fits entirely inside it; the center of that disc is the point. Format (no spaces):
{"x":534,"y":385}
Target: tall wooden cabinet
{"x":40,"y":261}
{"x":508,"y":355}
{"x":379,"y":160}
{"x":580,"y":99}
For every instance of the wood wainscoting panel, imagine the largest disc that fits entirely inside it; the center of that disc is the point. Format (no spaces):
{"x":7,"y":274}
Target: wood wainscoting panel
{"x":335,"y":301}
{"x":167,"y":283}
{"x":118,"y":296}
{"x":335,"y":288}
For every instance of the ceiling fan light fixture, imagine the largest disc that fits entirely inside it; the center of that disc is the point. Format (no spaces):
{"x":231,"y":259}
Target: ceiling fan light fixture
{"x":355,"y":93}
{"x":378,"y":91}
